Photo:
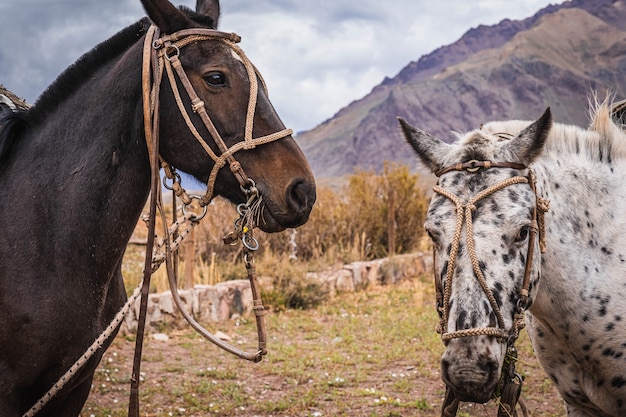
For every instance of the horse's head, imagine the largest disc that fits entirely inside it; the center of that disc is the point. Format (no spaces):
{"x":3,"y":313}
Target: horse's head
{"x":482,"y":222}
{"x":239,"y":128}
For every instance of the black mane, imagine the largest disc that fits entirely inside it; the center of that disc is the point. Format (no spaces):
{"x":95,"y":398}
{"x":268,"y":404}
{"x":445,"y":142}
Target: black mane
{"x":77,"y":73}
{"x":13,"y":124}
{"x":202,"y":20}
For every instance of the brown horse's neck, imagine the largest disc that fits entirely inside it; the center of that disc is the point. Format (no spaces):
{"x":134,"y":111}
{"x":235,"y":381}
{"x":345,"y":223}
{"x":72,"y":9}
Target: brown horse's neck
{"x":74,"y":183}
{"x":81,"y":167}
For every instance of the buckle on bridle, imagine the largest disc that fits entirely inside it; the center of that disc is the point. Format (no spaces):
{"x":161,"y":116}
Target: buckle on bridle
{"x":473,"y":165}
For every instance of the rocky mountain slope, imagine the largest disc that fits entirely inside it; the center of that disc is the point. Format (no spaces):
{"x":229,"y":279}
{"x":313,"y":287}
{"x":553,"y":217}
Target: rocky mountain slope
{"x":512,"y":70}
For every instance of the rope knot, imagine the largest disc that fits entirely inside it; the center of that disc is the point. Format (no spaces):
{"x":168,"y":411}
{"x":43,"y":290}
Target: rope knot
{"x":235,"y":166}
{"x":543,"y":204}
{"x":181,"y":193}
{"x":205,"y":200}
{"x":197,"y":105}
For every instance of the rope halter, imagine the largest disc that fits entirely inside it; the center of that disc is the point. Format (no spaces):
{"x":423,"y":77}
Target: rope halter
{"x":163,"y":52}
{"x":464,"y":210}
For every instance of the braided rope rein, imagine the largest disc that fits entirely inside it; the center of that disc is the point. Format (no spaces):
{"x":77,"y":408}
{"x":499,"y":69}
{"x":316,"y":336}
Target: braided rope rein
{"x":91,"y":350}
{"x":158,"y":259}
{"x":181,"y":228}
{"x":163,"y":246}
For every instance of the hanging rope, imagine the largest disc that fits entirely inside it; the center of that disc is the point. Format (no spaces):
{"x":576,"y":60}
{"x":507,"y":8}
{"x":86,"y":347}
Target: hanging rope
{"x":160,"y":54}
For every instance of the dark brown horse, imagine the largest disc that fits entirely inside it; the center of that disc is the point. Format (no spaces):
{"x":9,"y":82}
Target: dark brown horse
{"x":75,"y":175}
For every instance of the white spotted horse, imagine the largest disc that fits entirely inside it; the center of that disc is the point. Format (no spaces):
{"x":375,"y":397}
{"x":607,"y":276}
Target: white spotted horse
{"x":529,"y":220}
{"x":76,"y":170}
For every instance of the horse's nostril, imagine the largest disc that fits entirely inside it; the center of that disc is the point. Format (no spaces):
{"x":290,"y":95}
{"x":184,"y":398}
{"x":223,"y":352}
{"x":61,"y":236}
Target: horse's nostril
{"x":489,"y":367}
{"x":300,"y":195}
{"x":444,"y":369}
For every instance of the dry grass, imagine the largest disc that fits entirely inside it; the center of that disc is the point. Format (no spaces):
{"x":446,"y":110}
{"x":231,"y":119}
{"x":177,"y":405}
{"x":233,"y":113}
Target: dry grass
{"x":372,"y":353}
{"x":366,"y":354}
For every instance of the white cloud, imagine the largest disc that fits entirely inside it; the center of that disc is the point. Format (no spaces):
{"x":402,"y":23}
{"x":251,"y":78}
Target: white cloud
{"x":319,"y":56}
{"x":315,"y":56}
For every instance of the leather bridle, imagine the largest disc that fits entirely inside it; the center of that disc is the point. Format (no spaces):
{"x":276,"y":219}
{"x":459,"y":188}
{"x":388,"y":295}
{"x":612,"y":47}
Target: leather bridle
{"x":464,"y":212}
{"x":161,"y":53}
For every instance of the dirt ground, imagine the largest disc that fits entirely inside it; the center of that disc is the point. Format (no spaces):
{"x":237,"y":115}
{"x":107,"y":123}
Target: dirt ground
{"x":331,"y":361}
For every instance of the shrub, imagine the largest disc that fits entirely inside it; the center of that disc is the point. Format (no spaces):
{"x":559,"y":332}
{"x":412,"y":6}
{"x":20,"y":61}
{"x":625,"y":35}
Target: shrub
{"x":373,"y":216}
{"x":290,"y":286}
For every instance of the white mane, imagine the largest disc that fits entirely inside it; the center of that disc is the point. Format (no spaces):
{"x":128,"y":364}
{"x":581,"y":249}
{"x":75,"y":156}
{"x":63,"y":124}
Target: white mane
{"x":577,"y":285}
{"x":603,"y":140}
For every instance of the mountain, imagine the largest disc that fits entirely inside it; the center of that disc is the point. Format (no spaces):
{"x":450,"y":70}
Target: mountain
{"x":513,"y":70}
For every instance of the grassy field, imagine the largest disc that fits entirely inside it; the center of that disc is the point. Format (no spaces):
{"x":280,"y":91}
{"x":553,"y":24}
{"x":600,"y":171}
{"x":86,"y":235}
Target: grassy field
{"x":372,"y":353}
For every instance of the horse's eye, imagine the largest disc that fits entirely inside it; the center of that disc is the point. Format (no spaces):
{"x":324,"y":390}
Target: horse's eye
{"x":433,"y":237}
{"x":522,"y":234}
{"x":215,"y":79}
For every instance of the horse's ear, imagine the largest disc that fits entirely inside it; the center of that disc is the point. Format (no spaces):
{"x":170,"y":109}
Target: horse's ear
{"x":209,"y":8}
{"x":528,"y":144}
{"x":165,"y":15}
{"x":429,"y":149}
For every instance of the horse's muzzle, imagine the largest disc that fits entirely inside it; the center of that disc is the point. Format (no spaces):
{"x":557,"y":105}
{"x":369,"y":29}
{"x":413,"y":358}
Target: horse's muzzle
{"x":471,"y":383}
{"x":299,"y":198}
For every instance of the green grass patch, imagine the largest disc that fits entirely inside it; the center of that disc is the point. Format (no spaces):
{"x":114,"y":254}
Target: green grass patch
{"x":371,"y":353}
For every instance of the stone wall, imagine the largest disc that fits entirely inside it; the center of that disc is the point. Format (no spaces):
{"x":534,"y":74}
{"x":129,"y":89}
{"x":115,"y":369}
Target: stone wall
{"x":206,"y":303}
{"x":358,"y":276}
{"x":232,"y":299}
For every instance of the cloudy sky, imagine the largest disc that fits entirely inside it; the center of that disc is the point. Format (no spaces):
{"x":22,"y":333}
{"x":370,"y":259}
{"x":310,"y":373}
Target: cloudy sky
{"x":316,"y":55}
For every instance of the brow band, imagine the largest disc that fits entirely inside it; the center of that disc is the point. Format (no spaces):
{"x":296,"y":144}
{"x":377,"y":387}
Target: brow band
{"x":473,"y":166}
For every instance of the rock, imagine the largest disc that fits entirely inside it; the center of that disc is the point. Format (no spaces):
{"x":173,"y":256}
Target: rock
{"x":343,"y":281}
{"x":358,"y":276}
{"x":205,"y":303}
{"x":161,"y":337}
{"x":223,"y":336}
{"x":233,"y":299}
